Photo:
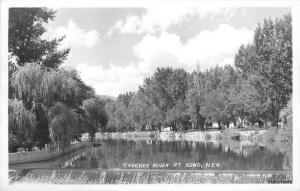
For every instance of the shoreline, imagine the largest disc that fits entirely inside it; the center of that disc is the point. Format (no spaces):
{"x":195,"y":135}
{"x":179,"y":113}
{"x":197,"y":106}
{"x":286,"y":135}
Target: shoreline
{"x":252,"y":135}
{"x":42,"y":155}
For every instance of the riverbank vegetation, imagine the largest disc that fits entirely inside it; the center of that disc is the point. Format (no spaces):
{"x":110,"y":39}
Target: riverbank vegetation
{"x":256,"y":89}
{"x":49,"y":103}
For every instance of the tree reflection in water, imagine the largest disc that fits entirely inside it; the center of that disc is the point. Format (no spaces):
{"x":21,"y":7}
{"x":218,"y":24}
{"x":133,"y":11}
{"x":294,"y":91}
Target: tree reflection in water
{"x":232,"y":155}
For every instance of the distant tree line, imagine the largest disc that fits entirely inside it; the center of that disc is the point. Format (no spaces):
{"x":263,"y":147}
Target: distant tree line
{"x":256,"y":89}
{"x":47,"y":103}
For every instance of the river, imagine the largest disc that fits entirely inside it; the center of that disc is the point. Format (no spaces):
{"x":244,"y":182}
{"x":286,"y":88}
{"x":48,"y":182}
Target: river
{"x":181,"y":155}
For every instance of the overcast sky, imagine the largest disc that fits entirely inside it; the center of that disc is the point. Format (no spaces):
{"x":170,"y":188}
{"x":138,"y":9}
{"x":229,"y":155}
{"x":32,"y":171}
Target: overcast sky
{"x":113,"y":49}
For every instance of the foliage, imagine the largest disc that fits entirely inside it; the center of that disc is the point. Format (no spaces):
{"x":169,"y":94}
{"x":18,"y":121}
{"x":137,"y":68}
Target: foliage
{"x":26,"y":27}
{"x":41,"y":134}
{"x":267,"y":63}
{"x":286,"y":114}
{"x":22,"y":124}
{"x":62,"y":124}
{"x":40,"y":86}
{"x":95,"y":111}
{"x":254,"y":90}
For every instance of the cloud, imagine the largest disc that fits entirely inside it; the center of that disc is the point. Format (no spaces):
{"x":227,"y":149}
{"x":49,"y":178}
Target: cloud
{"x":158,"y":19}
{"x":112,"y":81}
{"x":74,"y":35}
{"x":159,"y":51}
{"x":207,"y":49}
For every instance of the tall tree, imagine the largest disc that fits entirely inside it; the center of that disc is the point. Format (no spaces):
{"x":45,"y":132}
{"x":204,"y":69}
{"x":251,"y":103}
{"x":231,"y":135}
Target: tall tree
{"x":26,"y":28}
{"x":270,"y":57}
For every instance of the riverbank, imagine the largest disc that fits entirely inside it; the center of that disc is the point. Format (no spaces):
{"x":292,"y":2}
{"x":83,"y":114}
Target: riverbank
{"x":253,"y":135}
{"x":42,"y":155}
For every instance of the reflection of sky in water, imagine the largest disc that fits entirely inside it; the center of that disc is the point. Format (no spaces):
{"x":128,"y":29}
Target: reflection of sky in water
{"x":232,"y":155}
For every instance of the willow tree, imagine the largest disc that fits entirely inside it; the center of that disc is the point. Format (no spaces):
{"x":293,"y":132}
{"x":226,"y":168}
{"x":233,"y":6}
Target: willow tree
{"x":34,"y":83}
{"x":97,"y":117}
{"x":62,"y":124}
{"x":22,"y":123}
{"x":40,"y":88}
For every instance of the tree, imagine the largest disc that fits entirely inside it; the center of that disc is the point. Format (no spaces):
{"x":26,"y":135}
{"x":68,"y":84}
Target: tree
{"x":193,"y":107}
{"x":217,"y":104}
{"x":270,"y":60}
{"x":26,"y":28}
{"x":95,"y":111}
{"x":111,"y":110}
{"x":195,"y":100}
{"x":36,"y":84}
{"x":41,"y":88}
{"x":62,"y":124}
{"x":22,"y":124}
{"x":246,"y":60}
{"x":27,"y":45}
{"x":41,"y":134}
{"x":178,"y":116}
{"x":164,"y":89}
{"x":137,"y":112}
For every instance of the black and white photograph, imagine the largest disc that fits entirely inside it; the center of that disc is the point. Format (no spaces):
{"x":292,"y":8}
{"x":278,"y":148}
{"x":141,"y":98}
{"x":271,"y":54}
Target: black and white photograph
{"x":149,"y":95}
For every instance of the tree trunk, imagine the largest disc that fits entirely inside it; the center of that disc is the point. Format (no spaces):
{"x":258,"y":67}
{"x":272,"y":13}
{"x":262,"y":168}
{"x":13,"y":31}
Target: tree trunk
{"x":219,"y":123}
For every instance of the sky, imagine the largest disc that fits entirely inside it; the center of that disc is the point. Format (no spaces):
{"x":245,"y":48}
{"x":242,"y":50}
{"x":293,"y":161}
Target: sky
{"x":114,"y":49}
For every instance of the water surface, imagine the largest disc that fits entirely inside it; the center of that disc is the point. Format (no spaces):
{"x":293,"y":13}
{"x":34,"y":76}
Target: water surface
{"x":157,"y":154}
